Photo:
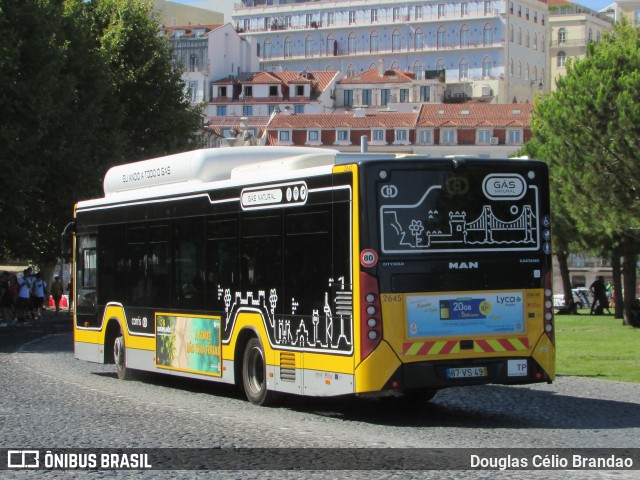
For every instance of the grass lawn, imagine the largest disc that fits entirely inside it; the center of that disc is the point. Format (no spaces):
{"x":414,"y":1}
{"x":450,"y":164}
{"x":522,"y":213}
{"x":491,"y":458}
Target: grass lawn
{"x":597,"y":346}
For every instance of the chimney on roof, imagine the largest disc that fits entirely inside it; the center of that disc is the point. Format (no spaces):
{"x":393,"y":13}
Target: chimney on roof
{"x":359,"y":113}
{"x":381,"y":67}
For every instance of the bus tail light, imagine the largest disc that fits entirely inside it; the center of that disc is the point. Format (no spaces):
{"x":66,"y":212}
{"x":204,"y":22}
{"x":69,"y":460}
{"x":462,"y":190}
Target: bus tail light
{"x":370,"y":315}
{"x":549,"y":327}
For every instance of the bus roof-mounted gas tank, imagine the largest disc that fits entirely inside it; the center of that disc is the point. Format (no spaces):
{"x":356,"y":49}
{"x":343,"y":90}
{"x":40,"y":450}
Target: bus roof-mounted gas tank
{"x":212,"y":164}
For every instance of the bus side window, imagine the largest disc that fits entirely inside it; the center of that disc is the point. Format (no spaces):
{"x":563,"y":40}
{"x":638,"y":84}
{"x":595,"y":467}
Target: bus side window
{"x":222,"y":260}
{"x":188,"y":266}
{"x":261,"y":253}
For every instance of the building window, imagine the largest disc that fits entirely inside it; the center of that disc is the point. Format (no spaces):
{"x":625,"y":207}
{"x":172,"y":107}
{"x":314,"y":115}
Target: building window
{"x":374,"y":15}
{"x":418,"y":15}
{"x":366,"y":97}
{"x":298,"y":109}
{"x":562,"y":36}
{"x":331,"y":18}
{"x":284,"y":136}
{"x":486,"y":68}
{"x":271,"y":109}
{"x":511,"y":33}
{"x":463,"y":70}
{"x":247,"y":110}
{"x":348,"y":98}
{"x":395,"y":41}
{"x":441,"y":38}
{"x":562,"y":59}
{"x":222,"y":91}
{"x":267,"y":51}
{"x":425,"y":136}
{"x":487,"y":35}
{"x":396,"y":14}
{"x":373,"y":42}
{"x":448,"y":136}
{"x":542,"y":45}
{"x":526,"y":39}
{"x":308,"y":20}
{"x":308,"y":46}
{"x":351,"y":71}
{"x":535,"y":41}
{"x":332,"y":46}
{"x":351,"y":44}
{"x":404,"y":95}
{"x":288,"y":47}
{"x":519,"y":36}
{"x":401,"y":136}
{"x":488,"y":10}
{"x":342,"y":135}
{"x":287,"y":21}
{"x":441,"y":10}
{"x":514,"y":137}
{"x":377,"y":135}
{"x":425,"y":93}
{"x":247,"y":91}
{"x":352,"y":17}
{"x":464,"y":36}
{"x":385,"y":95}
{"x":221,"y":110}
{"x":484,"y":136}
{"x":519,"y":72}
{"x":464,"y":9}
{"x":313,"y":136}
{"x":419,"y":39}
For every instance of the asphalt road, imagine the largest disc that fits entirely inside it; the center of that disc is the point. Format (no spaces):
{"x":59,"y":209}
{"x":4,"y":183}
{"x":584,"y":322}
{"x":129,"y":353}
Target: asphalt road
{"x":50,"y":400}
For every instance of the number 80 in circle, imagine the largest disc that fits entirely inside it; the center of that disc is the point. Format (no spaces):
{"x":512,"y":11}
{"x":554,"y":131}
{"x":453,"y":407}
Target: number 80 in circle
{"x":368,"y":258}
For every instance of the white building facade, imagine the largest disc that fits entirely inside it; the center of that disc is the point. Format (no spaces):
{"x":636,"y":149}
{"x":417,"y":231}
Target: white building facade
{"x":495,"y":46}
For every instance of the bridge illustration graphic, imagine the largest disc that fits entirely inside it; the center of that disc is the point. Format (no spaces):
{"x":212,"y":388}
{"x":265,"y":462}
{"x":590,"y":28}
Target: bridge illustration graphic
{"x":402,"y":231}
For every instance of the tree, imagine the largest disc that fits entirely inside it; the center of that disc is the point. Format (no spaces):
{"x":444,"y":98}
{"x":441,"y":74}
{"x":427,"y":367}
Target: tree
{"x":587,"y":130}
{"x":83,"y":86}
{"x":147,"y":88}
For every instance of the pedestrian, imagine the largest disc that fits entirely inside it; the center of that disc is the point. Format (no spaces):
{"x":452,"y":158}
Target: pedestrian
{"x":7,"y":302}
{"x":599,"y":291}
{"x":56,"y":292}
{"x":24,"y":297}
{"x":39,"y":294}
{"x":70,"y":290}
{"x":610,"y":294}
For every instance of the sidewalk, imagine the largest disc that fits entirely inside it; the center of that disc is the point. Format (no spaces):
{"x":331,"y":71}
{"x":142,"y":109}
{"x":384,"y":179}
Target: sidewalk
{"x":12,"y":337}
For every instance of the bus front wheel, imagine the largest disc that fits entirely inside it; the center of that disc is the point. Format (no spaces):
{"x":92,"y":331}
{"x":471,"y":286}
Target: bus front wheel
{"x":254,"y":375}
{"x":120,"y":359}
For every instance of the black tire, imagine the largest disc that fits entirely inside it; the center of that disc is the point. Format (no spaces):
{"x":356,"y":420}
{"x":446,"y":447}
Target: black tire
{"x":254,"y":375}
{"x":120,"y":359}
{"x":412,"y":398}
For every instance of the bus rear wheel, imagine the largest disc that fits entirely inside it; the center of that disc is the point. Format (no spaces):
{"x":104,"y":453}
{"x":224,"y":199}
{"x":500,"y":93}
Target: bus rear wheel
{"x":120,"y":359}
{"x":254,"y":375}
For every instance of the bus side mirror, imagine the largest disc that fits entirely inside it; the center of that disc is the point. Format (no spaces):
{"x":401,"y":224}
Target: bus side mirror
{"x":66,"y":240}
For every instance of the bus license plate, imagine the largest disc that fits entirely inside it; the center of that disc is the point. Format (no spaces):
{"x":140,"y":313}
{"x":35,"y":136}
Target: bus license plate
{"x":468,"y":372}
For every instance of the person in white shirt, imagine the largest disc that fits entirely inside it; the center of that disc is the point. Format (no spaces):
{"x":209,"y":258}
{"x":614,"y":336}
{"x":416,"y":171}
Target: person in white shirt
{"x":39,"y":290}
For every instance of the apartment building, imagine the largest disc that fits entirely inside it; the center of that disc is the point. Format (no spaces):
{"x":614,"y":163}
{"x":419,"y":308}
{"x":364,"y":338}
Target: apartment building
{"x":497,"y":45}
{"x":572,"y":28}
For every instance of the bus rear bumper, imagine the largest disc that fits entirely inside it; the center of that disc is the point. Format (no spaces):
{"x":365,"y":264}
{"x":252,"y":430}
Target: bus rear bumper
{"x":503,"y":371}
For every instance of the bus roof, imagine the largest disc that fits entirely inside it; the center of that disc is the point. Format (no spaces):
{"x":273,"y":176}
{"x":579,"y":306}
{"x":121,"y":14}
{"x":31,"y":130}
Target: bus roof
{"x":216,"y":164}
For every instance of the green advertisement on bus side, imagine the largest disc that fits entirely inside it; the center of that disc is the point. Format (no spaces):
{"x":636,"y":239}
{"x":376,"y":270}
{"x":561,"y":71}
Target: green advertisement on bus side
{"x":188,"y":344}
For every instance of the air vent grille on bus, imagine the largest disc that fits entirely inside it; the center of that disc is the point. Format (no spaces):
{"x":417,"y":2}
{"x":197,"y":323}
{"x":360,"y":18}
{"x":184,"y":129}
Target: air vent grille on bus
{"x":287,"y":366}
{"x":344,"y":303}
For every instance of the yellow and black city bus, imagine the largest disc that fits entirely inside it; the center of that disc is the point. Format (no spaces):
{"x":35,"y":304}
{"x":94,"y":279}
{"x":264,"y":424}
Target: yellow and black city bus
{"x":313,"y":272}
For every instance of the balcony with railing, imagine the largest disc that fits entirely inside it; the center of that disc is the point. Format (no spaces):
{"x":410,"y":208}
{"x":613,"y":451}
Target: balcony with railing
{"x":299,"y":21}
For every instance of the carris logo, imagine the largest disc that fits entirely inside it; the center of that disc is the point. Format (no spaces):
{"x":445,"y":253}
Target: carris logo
{"x":462,"y":265}
{"x":389,"y":191}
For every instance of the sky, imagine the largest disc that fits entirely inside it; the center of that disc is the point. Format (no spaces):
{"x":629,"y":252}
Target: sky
{"x":226,"y":6}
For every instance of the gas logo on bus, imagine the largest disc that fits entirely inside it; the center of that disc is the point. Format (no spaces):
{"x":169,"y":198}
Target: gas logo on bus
{"x":504,"y":186}
{"x":368,"y":258}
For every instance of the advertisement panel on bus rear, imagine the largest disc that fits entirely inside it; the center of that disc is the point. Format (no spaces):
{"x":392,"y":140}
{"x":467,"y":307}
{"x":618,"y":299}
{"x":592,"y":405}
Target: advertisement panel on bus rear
{"x":465,"y":313}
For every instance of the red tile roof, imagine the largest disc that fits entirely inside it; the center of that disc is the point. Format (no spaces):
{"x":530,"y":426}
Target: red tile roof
{"x":372,"y":76}
{"x":475,"y":114}
{"x":345,"y":120}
